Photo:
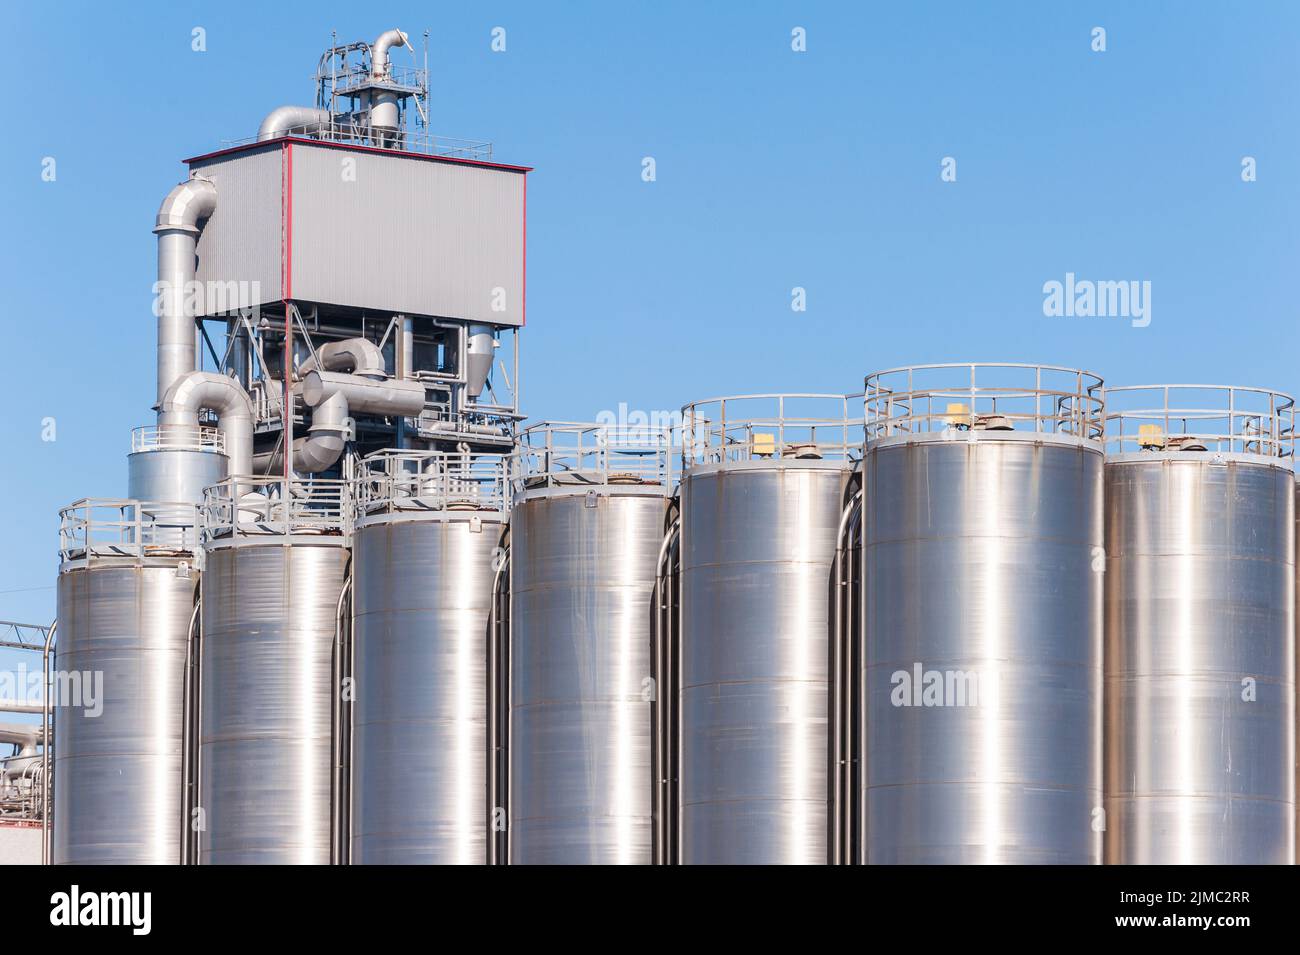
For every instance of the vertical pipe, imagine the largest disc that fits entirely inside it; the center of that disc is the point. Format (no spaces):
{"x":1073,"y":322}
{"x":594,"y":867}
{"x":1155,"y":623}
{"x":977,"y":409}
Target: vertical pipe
{"x":661,"y":743}
{"x":498,"y":702}
{"x":404,"y":355}
{"x":47,"y":740}
{"x":841,"y":641}
{"x":189,"y":735}
{"x":340,"y":713}
{"x":675,"y":702}
{"x":286,"y":409}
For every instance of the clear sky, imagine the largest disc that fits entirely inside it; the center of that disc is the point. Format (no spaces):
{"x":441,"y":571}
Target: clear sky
{"x":775,"y":169}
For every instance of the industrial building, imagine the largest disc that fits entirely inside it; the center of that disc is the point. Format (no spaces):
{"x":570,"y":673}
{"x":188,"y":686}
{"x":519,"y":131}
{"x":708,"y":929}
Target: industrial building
{"x":354,"y":610}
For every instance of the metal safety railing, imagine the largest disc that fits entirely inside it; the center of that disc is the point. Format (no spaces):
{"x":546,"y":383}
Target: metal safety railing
{"x":1216,"y":418}
{"x":569,"y":453}
{"x":741,"y":428}
{"x":392,"y":481}
{"x":983,"y":396}
{"x":399,"y":140}
{"x":154,"y":438}
{"x":358,"y":76}
{"x":20,"y":789}
{"x":113,"y":527}
{"x":260,"y":506}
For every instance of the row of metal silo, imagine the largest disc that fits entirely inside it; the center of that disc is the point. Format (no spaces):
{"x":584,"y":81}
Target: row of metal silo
{"x":1003,"y":616}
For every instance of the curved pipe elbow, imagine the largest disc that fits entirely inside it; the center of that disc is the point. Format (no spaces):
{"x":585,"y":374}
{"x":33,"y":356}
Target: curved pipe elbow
{"x":379,"y":62}
{"x":186,"y":206}
{"x":284,"y":120}
{"x":360,"y":356}
{"x":321,"y":449}
{"x":328,"y":434}
{"x":226,"y":398}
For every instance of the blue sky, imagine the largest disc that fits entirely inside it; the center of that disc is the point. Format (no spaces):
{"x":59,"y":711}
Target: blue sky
{"x":775,"y":169}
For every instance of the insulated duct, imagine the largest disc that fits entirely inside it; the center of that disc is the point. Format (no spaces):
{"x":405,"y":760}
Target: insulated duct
{"x":384,"y":112}
{"x":334,"y":397}
{"x":284,"y":120}
{"x":321,"y":448}
{"x":360,"y":356}
{"x":206,"y":391}
{"x":177,"y":228}
{"x":379,"y":62}
{"x":365,"y":395}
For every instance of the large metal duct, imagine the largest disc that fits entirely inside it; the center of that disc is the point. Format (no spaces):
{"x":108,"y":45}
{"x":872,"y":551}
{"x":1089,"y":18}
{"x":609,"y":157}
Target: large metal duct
{"x":384,"y":111}
{"x":177,"y":228}
{"x":379,"y":62}
{"x":428,"y":528}
{"x":207,"y":391}
{"x":761,"y":495}
{"x":1200,"y":629}
{"x":288,"y":120}
{"x":328,"y":397}
{"x":125,"y":605}
{"x":586,"y":528}
{"x":322,"y":446}
{"x":270,"y":601}
{"x":981,"y":675}
{"x":360,"y":356}
{"x":335,"y":397}
{"x":365,"y":395}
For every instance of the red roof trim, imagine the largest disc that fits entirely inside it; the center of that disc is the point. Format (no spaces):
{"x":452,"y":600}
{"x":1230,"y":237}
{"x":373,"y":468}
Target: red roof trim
{"x":352,"y":147}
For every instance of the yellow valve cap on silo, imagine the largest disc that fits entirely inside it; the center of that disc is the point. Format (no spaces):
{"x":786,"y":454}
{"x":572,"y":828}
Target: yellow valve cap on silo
{"x":958,"y":414}
{"x":1151,"y":436}
{"x":764,"y":444}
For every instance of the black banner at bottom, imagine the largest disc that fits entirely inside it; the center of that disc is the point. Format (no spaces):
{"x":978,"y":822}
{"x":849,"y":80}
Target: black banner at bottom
{"x":341,"y":905}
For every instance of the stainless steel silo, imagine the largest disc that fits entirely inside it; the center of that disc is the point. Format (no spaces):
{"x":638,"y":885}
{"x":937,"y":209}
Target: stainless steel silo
{"x":1200,"y":626}
{"x":126,"y":593}
{"x":586,"y":529}
{"x":427,"y":546}
{"x":171,"y":466}
{"x":763,"y":488}
{"x":981,"y":675}
{"x":175,"y":464}
{"x":276,"y":560}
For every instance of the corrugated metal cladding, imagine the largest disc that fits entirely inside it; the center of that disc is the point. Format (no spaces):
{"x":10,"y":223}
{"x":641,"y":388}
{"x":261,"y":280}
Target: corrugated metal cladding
{"x":239,"y":248}
{"x":371,"y":230}
{"x":408,"y":235}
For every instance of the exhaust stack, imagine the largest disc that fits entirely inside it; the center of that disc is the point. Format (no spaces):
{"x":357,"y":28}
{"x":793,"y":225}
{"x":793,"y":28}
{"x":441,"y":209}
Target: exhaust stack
{"x":177,"y":229}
